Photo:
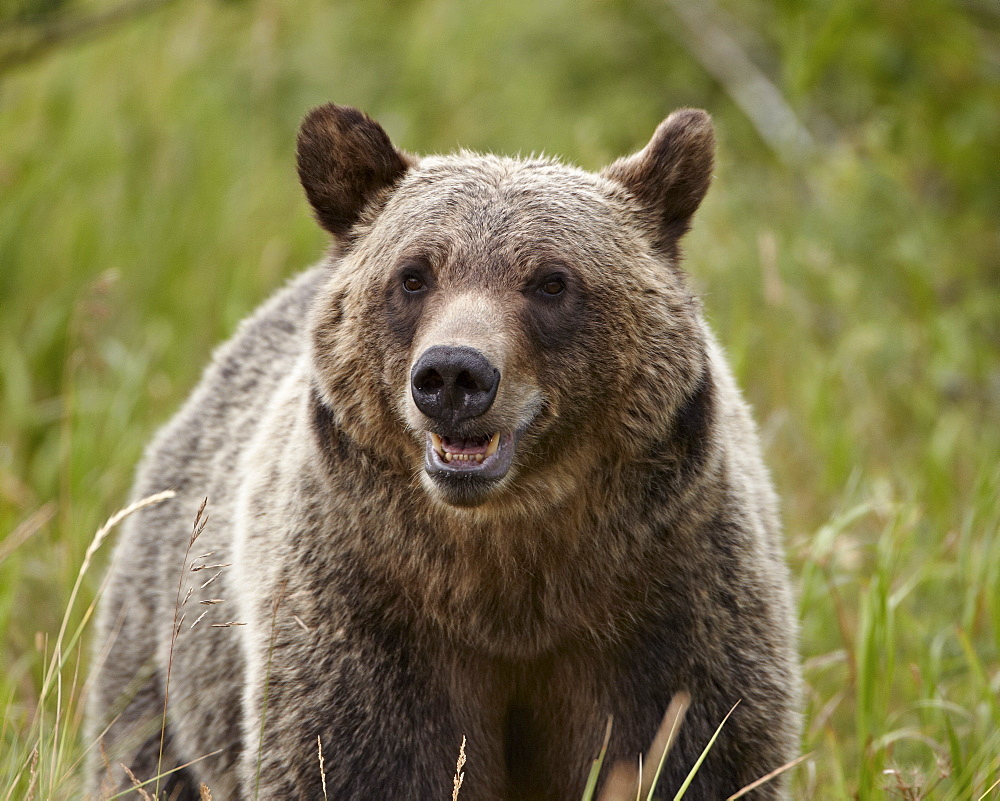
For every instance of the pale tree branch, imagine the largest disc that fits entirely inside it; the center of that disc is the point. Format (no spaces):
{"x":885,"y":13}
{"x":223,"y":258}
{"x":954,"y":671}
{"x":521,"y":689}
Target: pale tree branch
{"x":22,"y":43}
{"x":721,"y":55}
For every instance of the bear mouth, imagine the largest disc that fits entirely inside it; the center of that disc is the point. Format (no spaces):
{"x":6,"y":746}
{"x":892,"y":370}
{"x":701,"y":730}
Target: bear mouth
{"x":486,"y":458}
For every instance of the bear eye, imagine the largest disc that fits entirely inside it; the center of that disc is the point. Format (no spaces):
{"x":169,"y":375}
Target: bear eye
{"x":412,"y":284}
{"x":553,"y":285}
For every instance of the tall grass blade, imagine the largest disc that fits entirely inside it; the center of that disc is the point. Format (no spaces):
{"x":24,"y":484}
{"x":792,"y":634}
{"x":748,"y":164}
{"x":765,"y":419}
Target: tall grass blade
{"x":595,"y":769}
{"x":697,"y":765}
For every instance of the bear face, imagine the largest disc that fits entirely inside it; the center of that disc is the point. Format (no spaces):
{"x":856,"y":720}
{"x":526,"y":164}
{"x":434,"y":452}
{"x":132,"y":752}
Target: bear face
{"x":502,"y":305}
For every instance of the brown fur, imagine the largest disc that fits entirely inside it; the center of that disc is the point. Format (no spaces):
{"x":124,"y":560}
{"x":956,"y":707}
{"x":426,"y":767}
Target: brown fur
{"x":632,"y":550}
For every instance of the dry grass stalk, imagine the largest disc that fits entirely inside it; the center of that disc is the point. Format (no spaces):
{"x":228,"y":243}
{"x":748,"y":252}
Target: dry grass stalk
{"x":60,"y":651}
{"x":989,"y":789}
{"x":322,"y":769}
{"x":213,"y":578}
{"x":204,"y":794}
{"x":95,"y":543}
{"x":26,"y":530}
{"x":137,"y":784}
{"x":459,"y":774}
{"x":200,"y":521}
{"x":772,"y":775}
{"x":28,"y":764}
{"x":106,"y":786}
{"x":29,"y":796}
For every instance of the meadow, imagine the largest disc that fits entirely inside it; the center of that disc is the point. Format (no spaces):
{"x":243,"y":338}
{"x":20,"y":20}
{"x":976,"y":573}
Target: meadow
{"x":848,"y":256}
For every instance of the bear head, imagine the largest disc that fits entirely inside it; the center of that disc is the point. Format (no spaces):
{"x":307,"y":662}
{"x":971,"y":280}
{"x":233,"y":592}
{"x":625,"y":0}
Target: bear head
{"x":501,"y":328}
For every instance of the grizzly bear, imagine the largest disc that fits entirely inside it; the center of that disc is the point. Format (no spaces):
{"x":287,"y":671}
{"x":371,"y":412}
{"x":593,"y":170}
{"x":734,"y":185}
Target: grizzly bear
{"x":482,"y":473}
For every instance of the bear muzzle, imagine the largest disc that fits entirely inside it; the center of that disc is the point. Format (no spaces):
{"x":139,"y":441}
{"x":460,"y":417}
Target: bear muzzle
{"x":454,"y":386}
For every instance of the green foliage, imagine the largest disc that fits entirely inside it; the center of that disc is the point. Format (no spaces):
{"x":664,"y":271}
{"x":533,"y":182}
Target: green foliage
{"x":148,"y":201}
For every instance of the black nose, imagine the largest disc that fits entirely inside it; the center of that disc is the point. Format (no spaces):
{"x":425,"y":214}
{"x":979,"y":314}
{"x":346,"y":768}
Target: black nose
{"x":452,"y":384}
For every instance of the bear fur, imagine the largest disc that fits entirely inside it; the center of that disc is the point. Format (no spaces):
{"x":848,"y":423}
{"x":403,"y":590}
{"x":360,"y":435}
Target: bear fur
{"x":621,"y":544}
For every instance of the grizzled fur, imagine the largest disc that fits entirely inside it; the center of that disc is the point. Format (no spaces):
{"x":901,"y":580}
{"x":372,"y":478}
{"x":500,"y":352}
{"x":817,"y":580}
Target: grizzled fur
{"x":631,"y":551}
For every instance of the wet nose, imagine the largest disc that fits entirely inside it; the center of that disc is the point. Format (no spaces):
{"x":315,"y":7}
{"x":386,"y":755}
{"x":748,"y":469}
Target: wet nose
{"x":452,"y":384}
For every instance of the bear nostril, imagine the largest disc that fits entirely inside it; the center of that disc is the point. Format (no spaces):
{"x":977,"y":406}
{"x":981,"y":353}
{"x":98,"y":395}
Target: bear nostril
{"x":465,"y":380}
{"x":429,"y":381}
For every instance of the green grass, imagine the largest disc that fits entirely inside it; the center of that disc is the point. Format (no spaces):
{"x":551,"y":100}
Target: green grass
{"x":148,"y":201}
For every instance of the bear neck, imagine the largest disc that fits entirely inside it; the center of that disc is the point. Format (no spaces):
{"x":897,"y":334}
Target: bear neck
{"x":518,"y":586}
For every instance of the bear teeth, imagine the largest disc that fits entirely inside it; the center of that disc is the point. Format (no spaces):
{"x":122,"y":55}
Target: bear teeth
{"x":439,"y":447}
{"x":463,"y":457}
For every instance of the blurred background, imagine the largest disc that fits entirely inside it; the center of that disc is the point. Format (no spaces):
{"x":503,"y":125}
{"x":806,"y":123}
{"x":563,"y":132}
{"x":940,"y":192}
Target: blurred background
{"x":848,"y":255}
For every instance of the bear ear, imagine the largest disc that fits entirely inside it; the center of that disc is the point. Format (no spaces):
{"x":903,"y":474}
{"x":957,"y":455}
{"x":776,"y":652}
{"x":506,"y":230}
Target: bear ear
{"x":670,"y":176}
{"x":345,"y":160}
